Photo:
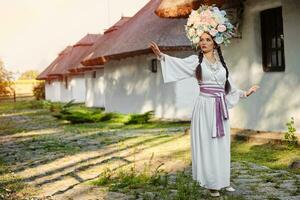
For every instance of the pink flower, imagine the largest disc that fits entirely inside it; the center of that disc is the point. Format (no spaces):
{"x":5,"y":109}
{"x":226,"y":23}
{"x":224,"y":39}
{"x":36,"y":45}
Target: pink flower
{"x":213,"y":32}
{"x":221,"y":28}
{"x":206,"y":13}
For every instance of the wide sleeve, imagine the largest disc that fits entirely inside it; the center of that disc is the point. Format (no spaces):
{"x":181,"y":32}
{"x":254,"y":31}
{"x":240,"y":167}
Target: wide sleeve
{"x":235,"y":94}
{"x":174,"y":69}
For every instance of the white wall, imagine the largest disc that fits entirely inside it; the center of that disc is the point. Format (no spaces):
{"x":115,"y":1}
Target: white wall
{"x":278,"y":98}
{"x":56,"y":91}
{"x":95,"y":89}
{"x":132,"y":88}
{"x":52,"y":90}
{"x":78,"y":88}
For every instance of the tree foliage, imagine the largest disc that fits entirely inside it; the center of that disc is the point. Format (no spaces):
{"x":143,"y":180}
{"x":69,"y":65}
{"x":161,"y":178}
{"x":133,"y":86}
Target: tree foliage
{"x":29,"y":75}
{"x":5,"y":80}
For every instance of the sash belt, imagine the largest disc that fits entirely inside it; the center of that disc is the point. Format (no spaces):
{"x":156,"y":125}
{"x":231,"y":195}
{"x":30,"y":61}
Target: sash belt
{"x":217,"y":92}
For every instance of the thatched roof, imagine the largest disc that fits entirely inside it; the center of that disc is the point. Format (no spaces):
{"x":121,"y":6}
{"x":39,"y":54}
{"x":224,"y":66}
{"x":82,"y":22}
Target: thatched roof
{"x":58,"y":60}
{"x":176,"y":8}
{"x":117,"y":25}
{"x":182,"y":8}
{"x":69,"y":58}
{"x":76,"y":54}
{"x":100,"y":41}
{"x":134,"y":36}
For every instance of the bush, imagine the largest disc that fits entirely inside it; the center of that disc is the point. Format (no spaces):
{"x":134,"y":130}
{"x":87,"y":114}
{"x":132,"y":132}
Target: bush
{"x":106,"y":117}
{"x":39,"y":91}
{"x":78,"y":114}
{"x":55,"y":107}
{"x":79,"y":117}
{"x":140,"y":118}
{"x":289,"y":137}
{"x":41,"y":104}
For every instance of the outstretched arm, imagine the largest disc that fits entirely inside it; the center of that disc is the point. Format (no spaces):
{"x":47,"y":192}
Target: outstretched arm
{"x":235,"y":94}
{"x":173,"y":68}
{"x":251,"y":90}
{"x":155,"y":49}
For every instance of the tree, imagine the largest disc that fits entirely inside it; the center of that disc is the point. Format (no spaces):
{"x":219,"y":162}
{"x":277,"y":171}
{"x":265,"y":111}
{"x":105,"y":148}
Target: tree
{"x":39,"y":90}
{"x":29,"y":75}
{"x":5,"y":80}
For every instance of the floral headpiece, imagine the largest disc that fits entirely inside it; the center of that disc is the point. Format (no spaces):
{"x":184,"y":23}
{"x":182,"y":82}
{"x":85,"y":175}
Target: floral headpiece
{"x":211,"y":20}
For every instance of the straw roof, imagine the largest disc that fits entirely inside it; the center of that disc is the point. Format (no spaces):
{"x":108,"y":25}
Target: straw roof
{"x":134,"y":36}
{"x":100,"y":41}
{"x":74,"y":56}
{"x":176,"y":8}
{"x":117,"y":25}
{"x":59,"y":59}
{"x":182,"y":8}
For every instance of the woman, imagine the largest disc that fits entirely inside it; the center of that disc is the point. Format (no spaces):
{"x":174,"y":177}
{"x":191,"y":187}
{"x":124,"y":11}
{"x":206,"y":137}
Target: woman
{"x":210,"y":128}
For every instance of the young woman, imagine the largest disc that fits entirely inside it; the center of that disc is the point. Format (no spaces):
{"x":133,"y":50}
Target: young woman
{"x":210,"y":127}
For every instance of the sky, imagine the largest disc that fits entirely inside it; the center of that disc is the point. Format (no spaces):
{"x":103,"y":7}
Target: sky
{"x":33,"y":32}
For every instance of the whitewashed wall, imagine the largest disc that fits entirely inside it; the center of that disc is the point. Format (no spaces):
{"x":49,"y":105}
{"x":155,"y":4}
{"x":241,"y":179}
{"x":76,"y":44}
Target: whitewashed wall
{"x":278,"y":98}
{"x":50,"y":90}
{"x":95,"y":89}
{"x":65,"y":92}
{"x":56,"y":91}
{"x":53,"y":91}
{"x":77,"y":88}
{"x":130,"y":87}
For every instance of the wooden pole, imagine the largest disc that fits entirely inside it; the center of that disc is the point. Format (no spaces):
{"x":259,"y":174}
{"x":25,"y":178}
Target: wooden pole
{"x":14,"y":96}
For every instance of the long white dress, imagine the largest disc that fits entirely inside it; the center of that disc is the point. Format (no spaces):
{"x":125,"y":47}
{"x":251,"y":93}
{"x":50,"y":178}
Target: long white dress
{"x":210,"y":156}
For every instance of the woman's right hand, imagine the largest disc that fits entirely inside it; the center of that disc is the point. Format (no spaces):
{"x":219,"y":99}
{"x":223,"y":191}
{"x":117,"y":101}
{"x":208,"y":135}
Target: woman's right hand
{"x":155,"y":49}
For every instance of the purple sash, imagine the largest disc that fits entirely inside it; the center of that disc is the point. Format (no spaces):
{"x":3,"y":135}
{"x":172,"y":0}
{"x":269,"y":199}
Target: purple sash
{"x":217,"y":92}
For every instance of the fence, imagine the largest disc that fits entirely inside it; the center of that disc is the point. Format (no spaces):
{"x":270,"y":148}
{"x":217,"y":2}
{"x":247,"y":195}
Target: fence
{"x":20,"y":90}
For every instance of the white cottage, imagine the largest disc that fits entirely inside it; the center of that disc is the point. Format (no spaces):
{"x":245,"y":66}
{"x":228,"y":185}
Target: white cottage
{"x":94,"y":76}
{"x":62,"y":84}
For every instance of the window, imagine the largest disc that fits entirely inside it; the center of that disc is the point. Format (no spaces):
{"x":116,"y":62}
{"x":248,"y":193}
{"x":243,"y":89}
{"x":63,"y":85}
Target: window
{"x":272,"y":40}
{"x":66,"y":82}
{"x":94,"y":74}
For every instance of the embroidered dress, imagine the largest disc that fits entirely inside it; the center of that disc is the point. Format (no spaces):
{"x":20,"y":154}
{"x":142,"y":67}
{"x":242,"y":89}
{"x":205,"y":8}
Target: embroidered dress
{"x":210,"y":127}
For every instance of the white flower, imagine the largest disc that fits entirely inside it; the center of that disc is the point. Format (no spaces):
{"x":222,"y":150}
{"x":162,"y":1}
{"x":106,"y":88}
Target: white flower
{"x":189,"y":22}
{"x":200,"y":32}
{"x":191,"y":32}
{"x":205,"y":28}
{"x":216,"y":9}
{"x":196,"y":40}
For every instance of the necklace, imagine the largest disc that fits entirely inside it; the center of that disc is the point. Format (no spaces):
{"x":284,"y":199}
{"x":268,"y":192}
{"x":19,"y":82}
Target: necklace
{"x":210,"y":63}
{"x":213,"y":66}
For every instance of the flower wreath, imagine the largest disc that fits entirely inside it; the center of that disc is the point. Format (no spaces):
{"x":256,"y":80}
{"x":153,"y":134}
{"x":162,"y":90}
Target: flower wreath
{"x":211,"y":20}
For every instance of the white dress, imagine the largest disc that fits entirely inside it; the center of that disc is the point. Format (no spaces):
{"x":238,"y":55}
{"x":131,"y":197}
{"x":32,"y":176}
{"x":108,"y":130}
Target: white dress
{"x":210,"y":156}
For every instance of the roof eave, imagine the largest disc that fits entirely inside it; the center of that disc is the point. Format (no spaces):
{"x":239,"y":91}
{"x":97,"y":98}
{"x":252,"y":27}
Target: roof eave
{"x":104,"y":59}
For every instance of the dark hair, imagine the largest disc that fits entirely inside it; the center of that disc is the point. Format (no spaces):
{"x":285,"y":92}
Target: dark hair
{"x":199,"y":70}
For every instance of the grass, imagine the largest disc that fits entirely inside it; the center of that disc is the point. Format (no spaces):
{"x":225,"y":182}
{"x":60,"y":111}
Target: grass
{"x":11,"y":186}
{"x":154,"y":184}
{"x":275,"y":156}
{"x":151,"y":182}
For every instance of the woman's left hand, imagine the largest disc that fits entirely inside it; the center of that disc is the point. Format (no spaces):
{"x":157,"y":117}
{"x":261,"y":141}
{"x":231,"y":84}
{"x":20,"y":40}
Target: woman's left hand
{"x":251,"y":90}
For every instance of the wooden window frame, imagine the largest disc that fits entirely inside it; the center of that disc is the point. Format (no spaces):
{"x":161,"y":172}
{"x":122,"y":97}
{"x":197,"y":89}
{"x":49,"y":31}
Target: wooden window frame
{"x":272,"y":30}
